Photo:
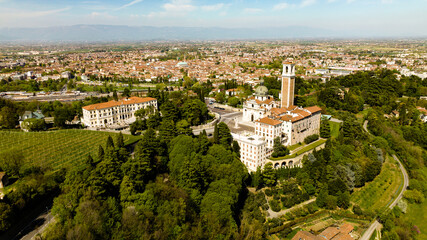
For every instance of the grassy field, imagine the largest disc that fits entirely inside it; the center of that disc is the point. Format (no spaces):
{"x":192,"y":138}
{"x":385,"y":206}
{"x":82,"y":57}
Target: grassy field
{"x":295,"y":146}
{"x":57,"y":149}
{"x":335,"y":129}
{"x":377,"y":194}
{"x":416,"y":214}
{"x":302,"y":150}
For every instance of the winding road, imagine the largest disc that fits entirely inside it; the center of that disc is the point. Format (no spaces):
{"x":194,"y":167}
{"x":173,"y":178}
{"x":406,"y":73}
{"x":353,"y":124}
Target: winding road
{"x":375,"y":225}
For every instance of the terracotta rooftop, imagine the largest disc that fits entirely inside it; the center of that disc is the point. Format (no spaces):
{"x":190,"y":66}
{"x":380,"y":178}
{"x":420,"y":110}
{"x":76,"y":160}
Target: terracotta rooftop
{"x":123,"y":101}
{"x":313,"y":109}
{"x":329,"y":232}
{"x":301,"y":112}
{"x":422,"y":110}
{"x":304,"y":235}
{"x":278,"y":111}
{"x":269,"y":121}
{"x":286,"y":117}
{"x":297,"y":118}
{"x":346,"y":228}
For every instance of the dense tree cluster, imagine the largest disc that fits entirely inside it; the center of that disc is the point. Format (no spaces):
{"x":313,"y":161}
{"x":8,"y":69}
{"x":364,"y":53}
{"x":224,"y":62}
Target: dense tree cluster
{"x":36,"y":185}
{"x":180,"y":110}
{"x":172,"y":187}
{"x":279,"y":149}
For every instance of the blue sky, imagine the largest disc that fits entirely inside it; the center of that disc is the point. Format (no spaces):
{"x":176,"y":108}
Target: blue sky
{"x":395,"y":17}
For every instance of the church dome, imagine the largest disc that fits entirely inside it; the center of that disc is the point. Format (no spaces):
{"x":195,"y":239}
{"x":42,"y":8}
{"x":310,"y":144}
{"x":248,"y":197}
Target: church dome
{"x":261,"y":90}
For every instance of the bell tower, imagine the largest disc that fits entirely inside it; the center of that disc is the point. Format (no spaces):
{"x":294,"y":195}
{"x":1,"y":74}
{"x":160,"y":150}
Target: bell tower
{"x":288,"y":85}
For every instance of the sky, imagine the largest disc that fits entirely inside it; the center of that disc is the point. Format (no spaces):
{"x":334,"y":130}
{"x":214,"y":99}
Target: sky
{"x":392,"y":17}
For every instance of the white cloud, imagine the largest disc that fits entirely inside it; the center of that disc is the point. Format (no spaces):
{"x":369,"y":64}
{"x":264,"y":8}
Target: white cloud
{"x":281,"y":6}
{"x":129,"y":4}
{"x":306,"y":3}
{"x":350,"y":1}
{"x":252,"y":10}
{"x":103,"y":15}
{"x":386,"y":1}
{"x":174,"y":8}
{"x":214,"y":7}
{"x":331,"y":1}
{"x":179,"y":6}
{"x":30,"y":14}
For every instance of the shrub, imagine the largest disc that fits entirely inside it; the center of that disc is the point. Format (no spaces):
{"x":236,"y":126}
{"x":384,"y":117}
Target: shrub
{"x":414,"y":196}
{"x":311,"y":138}
{"x":357,"y":210}
{"x":275,"y":205}
{"x":33,"y":124}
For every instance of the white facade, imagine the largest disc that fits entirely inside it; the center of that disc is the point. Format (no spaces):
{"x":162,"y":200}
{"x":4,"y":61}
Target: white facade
{"x":253,"y":151}
{"x":268,"y":129}
{"x":258,"y":105}
{"x":274,"y":119}
{"x":114,"y":113}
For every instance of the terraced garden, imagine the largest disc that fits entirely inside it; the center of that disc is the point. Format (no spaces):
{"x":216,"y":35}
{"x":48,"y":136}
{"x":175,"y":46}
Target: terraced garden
{"x":377,"y":194}
{"x":57,"y":149}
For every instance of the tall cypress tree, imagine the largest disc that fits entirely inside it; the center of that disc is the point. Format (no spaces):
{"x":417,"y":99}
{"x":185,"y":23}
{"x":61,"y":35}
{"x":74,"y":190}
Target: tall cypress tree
{"x":110,"y":142}
{"x":325,"y":129}
{"x":120,"y":141}
{"x":100,"y":153}
{"x":216,"y":134}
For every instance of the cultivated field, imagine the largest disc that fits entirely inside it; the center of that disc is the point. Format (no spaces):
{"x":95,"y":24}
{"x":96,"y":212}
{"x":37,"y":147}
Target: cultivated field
{"x":56,"y":149}
{"x":379,"y":193}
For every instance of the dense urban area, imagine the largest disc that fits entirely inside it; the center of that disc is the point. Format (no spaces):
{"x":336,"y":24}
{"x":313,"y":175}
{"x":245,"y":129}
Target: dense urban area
{"x":308,"y":139}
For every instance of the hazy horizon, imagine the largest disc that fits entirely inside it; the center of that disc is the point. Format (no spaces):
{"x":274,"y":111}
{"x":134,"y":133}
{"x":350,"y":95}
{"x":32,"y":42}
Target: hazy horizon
{"x":384,"y":18}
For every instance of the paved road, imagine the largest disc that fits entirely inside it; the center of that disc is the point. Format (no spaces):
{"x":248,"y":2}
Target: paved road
{"x":226,"y":116}
{"x":46,"y":219}
{"x":375,"y":225}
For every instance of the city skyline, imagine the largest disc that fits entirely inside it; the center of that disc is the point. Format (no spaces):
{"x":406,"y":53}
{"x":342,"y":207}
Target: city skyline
{"x":358,"y":17}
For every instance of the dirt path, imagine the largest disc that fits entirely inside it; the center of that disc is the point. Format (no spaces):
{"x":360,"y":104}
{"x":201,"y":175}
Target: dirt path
{"x":273,"y":214}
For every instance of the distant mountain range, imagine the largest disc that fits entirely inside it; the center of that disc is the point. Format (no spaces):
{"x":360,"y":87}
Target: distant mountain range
{"x":109,"y":33}
{"x":106,"y":33}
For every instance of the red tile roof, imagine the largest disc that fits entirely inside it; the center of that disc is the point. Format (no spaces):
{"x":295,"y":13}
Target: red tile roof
{"x":313,"y":109}
{"x":346,"y":228}
{"x":278,"y":111}
{"x":113,"y":103}
{"x":301,"y":113}
{"x":269,"y":121}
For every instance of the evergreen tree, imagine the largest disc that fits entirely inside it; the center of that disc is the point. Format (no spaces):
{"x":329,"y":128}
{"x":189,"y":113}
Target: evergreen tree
{"x":90,"y":161}
{"x":269,"y":175}
{"x":321,"y":197}
{"x":203,"y":142}
{"x":120,"y":141}
{"x":236,"y":147}
{"x":170,"y":111}
{"x":110,"y":143}
{"x":224,"y":135}
{"x":167,"y":131}
{"x":216,"y":134}
{"x":257,"y":178}
{"x":325,"y":129}
{"x":343,"y":200}
{"x":115,"y":97}
{"x":100,"y":153}
{"x":279,"y":149}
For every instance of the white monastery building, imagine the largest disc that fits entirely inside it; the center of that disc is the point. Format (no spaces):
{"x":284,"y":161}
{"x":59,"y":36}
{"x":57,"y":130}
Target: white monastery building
{"x":115,"y":113}
{"x":292,"y":124}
